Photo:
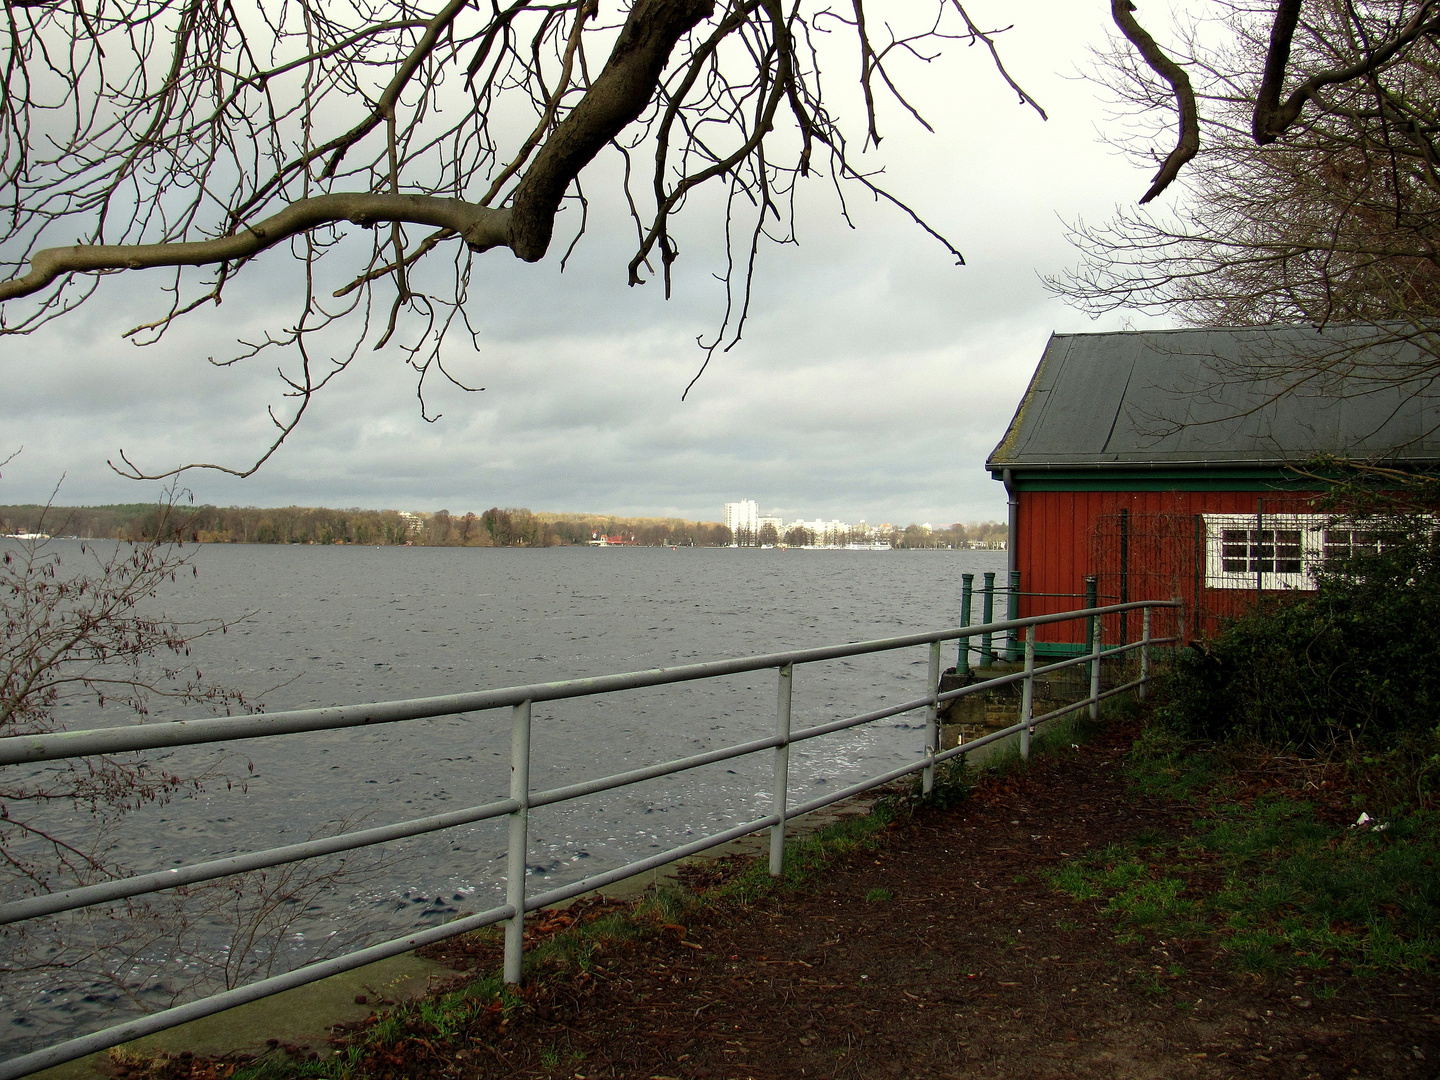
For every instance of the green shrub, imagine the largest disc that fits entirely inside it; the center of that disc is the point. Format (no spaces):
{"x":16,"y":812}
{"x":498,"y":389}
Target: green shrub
{"x":1357,"y":660}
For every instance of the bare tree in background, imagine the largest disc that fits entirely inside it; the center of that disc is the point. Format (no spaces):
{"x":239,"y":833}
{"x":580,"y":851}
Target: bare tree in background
{"x":80,"y":628}
{"x":1313,"y":195}
{"x":384,"y":144}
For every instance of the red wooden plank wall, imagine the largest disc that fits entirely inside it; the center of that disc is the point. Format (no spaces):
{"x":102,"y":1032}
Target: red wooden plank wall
{"x":1061,"y":534}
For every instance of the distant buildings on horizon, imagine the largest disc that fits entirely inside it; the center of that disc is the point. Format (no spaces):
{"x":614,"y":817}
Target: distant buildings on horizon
{"x":748,"y":528}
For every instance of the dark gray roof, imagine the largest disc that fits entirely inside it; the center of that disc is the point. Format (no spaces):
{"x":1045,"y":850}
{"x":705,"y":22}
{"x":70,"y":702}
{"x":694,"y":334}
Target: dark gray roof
{"x":1258,"y":396}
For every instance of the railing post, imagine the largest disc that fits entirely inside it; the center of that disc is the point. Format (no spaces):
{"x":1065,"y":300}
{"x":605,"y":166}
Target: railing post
{"x":967,"y":600}
{"x":1012,"y":612}
{"x":519,"y":841}
{"x":1144,"y":649}
{"x":987,"y":616}
{"x":1095,"y":673}
{"x":782,"y":768}
{"x":1027,"y":700}
{"x":1092,"y":599}
{"x":932,"y":720}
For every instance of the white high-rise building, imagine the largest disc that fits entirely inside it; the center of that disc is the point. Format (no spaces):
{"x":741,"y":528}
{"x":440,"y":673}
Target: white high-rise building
{"x":745,"y":515}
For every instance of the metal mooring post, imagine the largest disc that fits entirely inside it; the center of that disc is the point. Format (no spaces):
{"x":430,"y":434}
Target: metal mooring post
{"x":987,"y":616}
{"x":1095,"y":674}
{"x":519,"y":841}
{"x":782,"y":768}
{"x":932,"y":720}
{"x":967,"y":601}
{"x":1012,"y":612}
{"x":1027,"y":699}
{"x":1144,"y":650}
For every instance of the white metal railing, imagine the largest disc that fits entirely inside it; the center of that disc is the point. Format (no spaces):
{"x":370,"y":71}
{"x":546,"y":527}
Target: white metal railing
{"x":28,"y":750}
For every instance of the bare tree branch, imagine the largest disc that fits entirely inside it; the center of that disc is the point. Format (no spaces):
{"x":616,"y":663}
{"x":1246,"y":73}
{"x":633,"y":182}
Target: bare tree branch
{"x":1188,"y":143}
{"x":480,"y":227}
{"x":1271,"y":118}
{"x":623,"y":88}
{"x":196,"y":136}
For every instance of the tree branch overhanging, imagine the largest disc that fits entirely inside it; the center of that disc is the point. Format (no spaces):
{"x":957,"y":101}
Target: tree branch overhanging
{"x":183,"y":134}
{"x":1188,"y":143}
{"x":480,"y":227}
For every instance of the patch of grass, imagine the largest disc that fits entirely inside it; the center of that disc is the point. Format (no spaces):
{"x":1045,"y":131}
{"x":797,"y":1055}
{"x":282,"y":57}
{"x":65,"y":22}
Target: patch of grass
{"x":808,"y":857}
{"x":1150,"y":984}
{"x":1311,"y":892}
{"x":1077,"y":729}
{"x":877,"y":896}
{"x":1296,"y":893}
{"x":1060,"y":736}
{"x":954,"y":783}
{"x":1163,"y":763}
{"x":666,"y":904}
{"x":552,"y":1057}
{"x":337,"y":1067}
{"x":1137,"y":893}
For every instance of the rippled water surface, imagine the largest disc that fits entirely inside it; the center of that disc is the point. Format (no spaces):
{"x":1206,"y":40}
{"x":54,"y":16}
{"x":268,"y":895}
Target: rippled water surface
{"x":339,"y":625}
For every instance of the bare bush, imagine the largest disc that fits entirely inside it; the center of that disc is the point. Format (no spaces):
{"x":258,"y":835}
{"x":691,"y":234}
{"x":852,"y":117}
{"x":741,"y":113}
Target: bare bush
{"x":79,"y":631}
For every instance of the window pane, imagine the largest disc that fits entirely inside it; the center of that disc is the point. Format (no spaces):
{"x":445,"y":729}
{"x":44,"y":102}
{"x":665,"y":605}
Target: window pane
{"x":1287,"y":551}
{"x":1234,"y":550}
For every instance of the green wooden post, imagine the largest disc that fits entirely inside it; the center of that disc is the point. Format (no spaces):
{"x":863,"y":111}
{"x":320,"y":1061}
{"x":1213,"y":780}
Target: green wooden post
{"x":967,"y":599}
{"x":987,"y":616}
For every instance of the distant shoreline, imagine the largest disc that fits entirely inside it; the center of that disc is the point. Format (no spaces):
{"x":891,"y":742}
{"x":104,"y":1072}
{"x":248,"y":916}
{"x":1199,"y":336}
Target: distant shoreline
{"x":496,"y":527}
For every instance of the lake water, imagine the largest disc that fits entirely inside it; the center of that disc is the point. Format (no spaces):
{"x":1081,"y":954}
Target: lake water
{"x":340,"y":625}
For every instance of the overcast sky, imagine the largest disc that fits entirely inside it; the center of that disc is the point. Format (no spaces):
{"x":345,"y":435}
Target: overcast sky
{"x":874,"y":377}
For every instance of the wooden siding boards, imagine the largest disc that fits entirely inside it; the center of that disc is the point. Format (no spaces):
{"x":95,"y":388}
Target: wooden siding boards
{"x":1058,"y":543}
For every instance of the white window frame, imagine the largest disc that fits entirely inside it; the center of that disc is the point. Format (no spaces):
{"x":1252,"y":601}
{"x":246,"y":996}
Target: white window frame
{"x":1258,"y":559}
{"x":1322,"y":537}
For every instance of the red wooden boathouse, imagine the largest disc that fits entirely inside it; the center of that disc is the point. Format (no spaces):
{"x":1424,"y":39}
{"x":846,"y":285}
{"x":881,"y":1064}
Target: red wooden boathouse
{"x":1172,"y":463}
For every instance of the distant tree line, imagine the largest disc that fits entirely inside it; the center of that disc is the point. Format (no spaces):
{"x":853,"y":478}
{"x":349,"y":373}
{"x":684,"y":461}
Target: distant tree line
{"x":519,"y":527}
{"x":496,"y":527}
{"x":212,"y":524}
{"x":958,"y":535}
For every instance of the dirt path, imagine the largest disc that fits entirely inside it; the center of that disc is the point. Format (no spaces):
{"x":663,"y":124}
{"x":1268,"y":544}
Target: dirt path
{"x":945,"y":953}
{"x":940,"y":951}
